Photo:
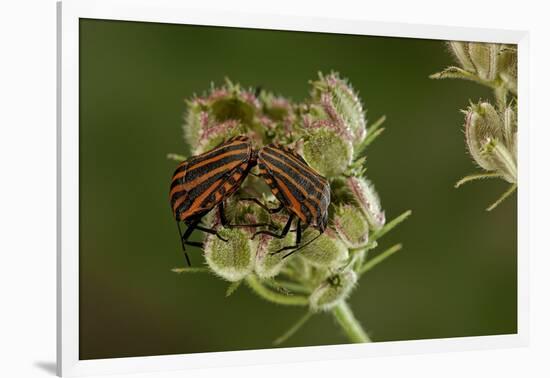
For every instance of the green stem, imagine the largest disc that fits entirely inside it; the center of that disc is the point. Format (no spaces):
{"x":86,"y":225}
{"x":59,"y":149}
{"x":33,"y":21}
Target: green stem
{"x":287,"y":285}
{"x":379,"y":258}
{"x":390,"y":225}
{"x":349,"y":324}
{"x":458,"y":73}
{"x":190,"y":270}
{"x":281,"y":339}
{"x":270,"y":295}
{"x":373,"y":132}
{"x":505,"y":195}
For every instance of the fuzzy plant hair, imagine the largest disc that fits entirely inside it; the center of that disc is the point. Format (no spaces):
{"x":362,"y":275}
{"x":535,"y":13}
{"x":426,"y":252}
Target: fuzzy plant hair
{"x":490,"y":128}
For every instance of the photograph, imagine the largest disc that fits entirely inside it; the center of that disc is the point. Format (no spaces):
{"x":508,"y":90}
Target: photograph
{"x":246,"y":189}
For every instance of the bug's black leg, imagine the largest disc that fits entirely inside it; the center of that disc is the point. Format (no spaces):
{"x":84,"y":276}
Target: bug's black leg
{"x":263,"y":206}
{"x":298,"y":240}
{"x":190,"y":228}
{"x":298,"y":233}
{"x":302,"y":246}
{"x":188,"y":233}
{"x":226,"y":223}
{"x":223,"y":218}
{"x":211,"y":231}
{"x":278,"y":236}
{"x":183,"y":238}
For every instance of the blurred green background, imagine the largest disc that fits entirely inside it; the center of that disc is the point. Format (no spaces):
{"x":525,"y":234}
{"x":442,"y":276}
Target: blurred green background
{"x":455,"y":277}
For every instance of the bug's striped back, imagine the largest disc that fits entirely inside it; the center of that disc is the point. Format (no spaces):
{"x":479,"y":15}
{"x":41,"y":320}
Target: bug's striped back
{"x":296,"y":185}
{"x":203,"y":181}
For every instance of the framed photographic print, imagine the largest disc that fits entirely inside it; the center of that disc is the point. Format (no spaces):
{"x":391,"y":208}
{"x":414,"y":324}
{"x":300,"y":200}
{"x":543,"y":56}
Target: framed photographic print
{"x":238,"y":190}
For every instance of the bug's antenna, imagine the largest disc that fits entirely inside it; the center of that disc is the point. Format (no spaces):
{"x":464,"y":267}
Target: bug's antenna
{"x":303,"y":245}
{"x":183,"y":245}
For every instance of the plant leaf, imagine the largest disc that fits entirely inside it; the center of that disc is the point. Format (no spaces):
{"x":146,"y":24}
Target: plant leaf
{"x":475,"y":176}
{"x":189,"y":269}
{"x":390,"y":225}
{"x":371,"y":263}
{"x":232,"y":288}
{"x":176,"y":157}
{"x":505,"y":195}
{"x":285,"y":336}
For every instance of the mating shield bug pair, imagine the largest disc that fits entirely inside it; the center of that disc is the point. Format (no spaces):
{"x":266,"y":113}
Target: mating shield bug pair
{"x":205,"y":181}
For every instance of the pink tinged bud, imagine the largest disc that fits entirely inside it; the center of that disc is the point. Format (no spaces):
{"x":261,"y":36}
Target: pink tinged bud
{"x":267,"y":123}
{"x":232,"y":103}
{"x":250,"y":98}
{"x":204,"y":120}
{"x":368,"y":201}
{"x":214,"y":135}
{"x":341,"y":105}
{"x":276,"y":108}
{"x":195,"y":120}
{"x":277,"y":118}
{"x":217,"y":94}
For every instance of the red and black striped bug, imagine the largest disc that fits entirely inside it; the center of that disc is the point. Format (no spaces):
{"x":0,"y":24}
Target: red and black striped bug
{"x":300,"y":190}
{"x":203,"y":182}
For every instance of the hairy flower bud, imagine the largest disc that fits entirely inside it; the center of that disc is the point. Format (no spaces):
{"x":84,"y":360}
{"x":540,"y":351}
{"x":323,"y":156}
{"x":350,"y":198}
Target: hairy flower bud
{"x":351,"y":225}
{"x":484,"y":57}
{"x":327,"y":152}
{"x":274,"y":107}
{"x":214,"y":135}
{"x":232,"y":102}
{"x":493,"y":63}
{"x":234,"y":259}
{"x":510,"y":128}
{"x":244,"y":212}
{"x":269,"y":263}
{"x":341,"y":104}
{"x":277,"y":117}
{"x":196,"y":120}
{"x":224,"y":111}
{"x":503,"y":160}
{"x":482,"y":124}
{"x":326,"y":251}
{"x":368,"y":201}
{"x":332,"y":291}
{"x":508,"y":67}
{"x":462,"y":54}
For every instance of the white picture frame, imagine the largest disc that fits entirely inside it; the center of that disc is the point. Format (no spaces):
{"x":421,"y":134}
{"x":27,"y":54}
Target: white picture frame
{"x":166,"y":11}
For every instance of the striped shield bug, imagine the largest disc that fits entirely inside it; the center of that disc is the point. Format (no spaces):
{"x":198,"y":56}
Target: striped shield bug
{"x":203,"y":182}
{"x":300,"y":190}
